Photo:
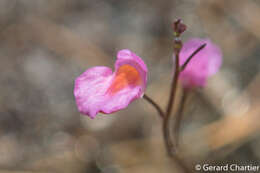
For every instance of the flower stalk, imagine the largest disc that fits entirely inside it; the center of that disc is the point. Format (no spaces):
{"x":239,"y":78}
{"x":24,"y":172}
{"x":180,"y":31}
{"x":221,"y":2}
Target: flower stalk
{"x":166,"y":130}
{"x":178,"y":118}
{"x":192,"y":55}
{"x":178,"y":28}
{"x":155,"y":105}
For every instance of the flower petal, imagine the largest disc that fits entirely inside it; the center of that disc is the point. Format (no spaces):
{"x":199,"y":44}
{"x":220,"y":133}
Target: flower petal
{"x":90,"y":88}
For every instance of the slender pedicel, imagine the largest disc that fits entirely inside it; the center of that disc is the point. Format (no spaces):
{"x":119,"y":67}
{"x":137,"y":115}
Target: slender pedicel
{"x":155,"y":105}
{"x":192,"y":55}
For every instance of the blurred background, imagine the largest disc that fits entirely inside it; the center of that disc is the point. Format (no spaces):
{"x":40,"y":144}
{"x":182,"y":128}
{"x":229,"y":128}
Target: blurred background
{"x":46,"y":44}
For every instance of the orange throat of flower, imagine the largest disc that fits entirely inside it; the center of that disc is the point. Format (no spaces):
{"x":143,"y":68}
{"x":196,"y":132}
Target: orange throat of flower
{"x":126,"y":76}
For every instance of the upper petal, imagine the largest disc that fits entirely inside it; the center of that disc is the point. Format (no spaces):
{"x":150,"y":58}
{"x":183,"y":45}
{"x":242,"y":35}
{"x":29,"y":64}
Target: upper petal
{"x":126,"y":56}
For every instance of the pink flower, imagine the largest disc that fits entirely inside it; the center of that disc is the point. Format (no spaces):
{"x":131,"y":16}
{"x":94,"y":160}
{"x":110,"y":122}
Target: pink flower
{"x":98,"y":89}
{"x":204,"y":64}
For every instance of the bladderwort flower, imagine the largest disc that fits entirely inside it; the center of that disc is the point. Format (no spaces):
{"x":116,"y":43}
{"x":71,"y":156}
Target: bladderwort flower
{"x":203,"y":65}
{"x":99,"y":89}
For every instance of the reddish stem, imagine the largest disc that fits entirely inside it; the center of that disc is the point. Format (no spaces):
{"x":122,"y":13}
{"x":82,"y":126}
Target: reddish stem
{"x":166,"y":130}
{"x":178,"y":118}
{"x":155,"y":105}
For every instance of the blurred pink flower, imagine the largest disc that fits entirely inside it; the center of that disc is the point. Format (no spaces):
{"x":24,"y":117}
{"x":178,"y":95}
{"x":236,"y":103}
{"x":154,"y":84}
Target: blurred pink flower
{"x":98,"y":89}
{"x":204,"y":64}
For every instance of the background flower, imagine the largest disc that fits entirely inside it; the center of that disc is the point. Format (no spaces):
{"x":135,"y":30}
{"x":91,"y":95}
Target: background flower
{"x":204,"y":64}
{"x":100,"y":90}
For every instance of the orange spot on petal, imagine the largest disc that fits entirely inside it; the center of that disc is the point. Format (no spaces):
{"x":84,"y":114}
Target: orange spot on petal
{"x":126,"y":75}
